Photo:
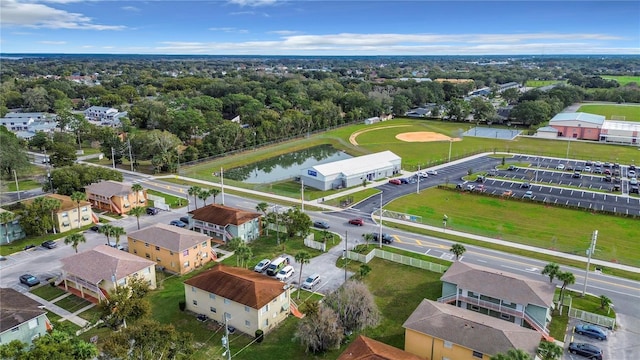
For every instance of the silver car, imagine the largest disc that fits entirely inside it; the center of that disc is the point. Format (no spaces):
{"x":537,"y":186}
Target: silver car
{"x":262,"y":265}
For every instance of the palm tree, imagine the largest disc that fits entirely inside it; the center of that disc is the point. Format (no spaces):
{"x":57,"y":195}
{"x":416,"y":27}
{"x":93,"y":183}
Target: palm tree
{"x":107,"y":230}
{"x":203,"y":195}
{"x":243,"y":253}
{"x":117,"y":232}
{"x":5,"y":218}
{"x":75,"y":239}
{"x":512,"y":354}
{"x":137,"y":188}
{"x":194,"y":191}
{"x":567,"y":278}
{"x":551,"y":269}
{"x":262,"y":207}
{"x":235,"y":244}
{"x":214,"y":192}
{"x":364,"y":270}
{"x":52,"y":205}
{"x":457,"y":250}
{"x":605,"y":302}
{"x":78,"y":197}
{"x":302,"y":257}
{"x":137,"y":212}
{"x":549,"y":350}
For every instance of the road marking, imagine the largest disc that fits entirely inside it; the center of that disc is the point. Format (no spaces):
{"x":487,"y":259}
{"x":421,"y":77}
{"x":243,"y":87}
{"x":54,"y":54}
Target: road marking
{"x":427,"y":252}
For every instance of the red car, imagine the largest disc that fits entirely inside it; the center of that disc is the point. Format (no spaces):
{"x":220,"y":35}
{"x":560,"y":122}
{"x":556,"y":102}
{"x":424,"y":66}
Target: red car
{"x":395,"y":182}
{"x":356,"y":221}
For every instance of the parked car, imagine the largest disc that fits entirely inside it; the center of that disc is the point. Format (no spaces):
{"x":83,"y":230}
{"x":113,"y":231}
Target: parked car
{"x":285,"y":273}
{"x":470,"y":187}
{"x":395,"y":182}
{"x":578,"y":168}
{"x":29,"y":280}
{"x":311,"y":281}
{"x":616,"y":188}
{"x":576,"y":174}
{"x":95,"y":228}
{"x":587,"y":168}
{"x":480,"y":188}
{"x":386,"y":238}
{"x":525,"y":185}
{"x":178,"y":223}
{"x":591,"y":331}
{"x":113,"y":245}
{"x":432,"y":172}
{"x":631,"y":173}
{"x":597,"y":170}
{"x":560,"y":167}
{"x":586,"y":350}
{"x":528,"y":195}
{"x":588,"y":163}
{"x":262,"y":265}
{"x":511,"y":168}
{"x":607,"y":172}
{"x":152,"y":211}
{"x":507,"y":193}
{"x":632,"y":167}
{"x":422,"y":174}
{"x":49,"y":244}
{"x":404,"y":180}
{"x":356,"y":221}
{"x":633,"y":181}
{"x":184,"y":219}
{"x":480,"y":178}
{"x":633,"y":189}
{"x":492,"y":172}
{"x":321,"y":224}
{"x":461,"y":186}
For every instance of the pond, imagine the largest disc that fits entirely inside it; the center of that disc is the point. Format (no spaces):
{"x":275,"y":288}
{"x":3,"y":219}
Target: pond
{"x":285,"y":166}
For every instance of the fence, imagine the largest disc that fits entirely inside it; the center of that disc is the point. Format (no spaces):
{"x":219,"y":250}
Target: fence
{"x":402,"y":259}
{"x":592,"y":318}
{"x":158,"y":202}
{"x":309,"y":242}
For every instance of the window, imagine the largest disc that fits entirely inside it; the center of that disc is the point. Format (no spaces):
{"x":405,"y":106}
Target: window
{"x":65,"y":224}
{"x":158,"y":248}
{"x":84,"y":209}
{"x":185,"y":253}
{"x":147,"y":255}
{"x":226,"y":301}
{"x":158,"y":259}
{"x":247,"y":323}
{"x":195,"y":302}
{"x":283,"y":296}
{"x":266,"y":322}
{"x":212,"y":296}
{"x":15,"y":329}
{"x":448,"y":344}
{"x":64,"y":215}
{"x":478,"y":354}
{"x":170,"y":252}
{"x":146,"y":244}
{"x":193,"y":289}
{"x":247,"y":309}
{"x":135,"y":251}
{"x":227,"y":316}
{"x":204,"y":244}
{"x":212,"y":309}
{"x":186,"y":264}
{"x":475,"y":308}
{"x":85,"y":218}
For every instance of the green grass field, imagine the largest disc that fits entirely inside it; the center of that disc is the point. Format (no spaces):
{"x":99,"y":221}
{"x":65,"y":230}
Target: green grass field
{"x":48,"y":292}
{"x":174,"y":202}
{"x":623,"y":80}
{"x":540,"y":83}
{"x":630,"y":112}
{"x":546,"y":227}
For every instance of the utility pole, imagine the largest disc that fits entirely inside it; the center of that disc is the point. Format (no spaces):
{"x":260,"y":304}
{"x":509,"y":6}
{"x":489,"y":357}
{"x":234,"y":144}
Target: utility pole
{"x":450,"y":142}
{"x":131,"y":157}
{"x":418,"y":182}
{"x":590,"y":251}
{"x":15,"y":177}
{"x":222,"y":184}
{"x":225,"y":339}
{"x":302,"y":193}
{"x":346,"y":240}
{"x":113,"y":158}
{"x":380,"y":231}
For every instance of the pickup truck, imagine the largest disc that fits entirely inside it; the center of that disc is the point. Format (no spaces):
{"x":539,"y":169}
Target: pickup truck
{"x":386,"y":238}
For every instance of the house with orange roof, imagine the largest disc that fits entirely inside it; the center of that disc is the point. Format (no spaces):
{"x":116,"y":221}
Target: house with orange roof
{"x":114,"y":196}
{"x":364,"y":348}
{"x":225,"y":223}
{"x":243,"y":298}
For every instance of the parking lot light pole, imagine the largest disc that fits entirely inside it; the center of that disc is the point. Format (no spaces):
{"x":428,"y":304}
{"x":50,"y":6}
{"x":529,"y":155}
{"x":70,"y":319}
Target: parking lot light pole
{"x":380,"y":234}
{"x":418,"y":182}
{"x":592,"y":248}
{"x":450,"y":143}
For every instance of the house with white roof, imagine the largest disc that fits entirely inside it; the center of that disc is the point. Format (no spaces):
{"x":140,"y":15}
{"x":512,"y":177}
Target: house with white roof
{"x":352,"y":172}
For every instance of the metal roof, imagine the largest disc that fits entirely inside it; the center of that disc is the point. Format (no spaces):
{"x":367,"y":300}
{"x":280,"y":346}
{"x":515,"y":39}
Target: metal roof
{"x":578,"y":116}
{"x":357,"y":165}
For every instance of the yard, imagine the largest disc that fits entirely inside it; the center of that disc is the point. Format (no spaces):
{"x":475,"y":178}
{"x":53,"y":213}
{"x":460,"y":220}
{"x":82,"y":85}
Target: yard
{"x":630,"y":112}
{"x":623,"y":80}
{"x":173,"y":201}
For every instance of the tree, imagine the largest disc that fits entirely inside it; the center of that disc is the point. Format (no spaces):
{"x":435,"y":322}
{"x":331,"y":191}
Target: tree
{"x":107,"y":230}
{"x":137,"y":188}
{"x":214,"y":192}
{"x":605,"y":302}
{"x":243,"y":253}
{"x":68,"y":179}
{"x":75,"y":239}
{"x":57,"y":344}
{"x":301,"y":257}
{"x":52,"y":206}
{"x":12,"y":154}
{"x":512,"y":354}
{"x":149,"y":340}
{"x":117,"y":232}
{"x":549,"y":350}
{"x":297,"y":222}
{"x":355,"y":306}
{"x":364,"y":270}
{"x":137,"y":212}
{"x":35,"y":99}
{"x":457,"y":250}
{"x":552,"y":270}
{"x":63,"y":155}
{"x":235,"y":244}
{"x":194,"y":191}
{"x":5,"y":218}
{"x":262,"y":207}
{"x":567,"y":278}
{"x":125,"y":303}
{"x":78,"y":197}
{"x":203,"y":195}
{"x":320,"y":330}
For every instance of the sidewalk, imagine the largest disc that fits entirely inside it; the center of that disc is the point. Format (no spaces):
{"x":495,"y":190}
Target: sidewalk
{"x":66,"y":315}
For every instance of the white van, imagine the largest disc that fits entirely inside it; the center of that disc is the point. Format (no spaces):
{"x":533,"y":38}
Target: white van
{"x":276,"y":265}
{"x":285,"y":273}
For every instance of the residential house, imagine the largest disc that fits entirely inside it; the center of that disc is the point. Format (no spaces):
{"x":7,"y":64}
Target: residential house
{"x":246,"y":299}
{"x":364,"y":348}
{"x":94,"y":273}
{"x":25,"y":125}
{"x":175,"y":249}
{"x":441,"y":331}
{"x":21,"y":318}
{"x":225,"y":223}
{"x":509,"y":297}
{"x":115,"y":197}
{"x":11,"y":230}
{"x":507,"y":86}
{"x":100,"y":113}
{"x":67,"y":216}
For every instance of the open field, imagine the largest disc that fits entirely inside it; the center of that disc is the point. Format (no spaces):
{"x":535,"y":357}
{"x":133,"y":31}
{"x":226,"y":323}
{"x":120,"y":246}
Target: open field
{"x":623,"y":80}
{"x":630,"y":112}
{"x":24,"y":185}
{"x":532,"y":224}
{"x":540,"y":83}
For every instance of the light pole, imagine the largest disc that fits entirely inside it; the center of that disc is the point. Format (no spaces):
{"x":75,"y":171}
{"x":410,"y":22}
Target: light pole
{"x":380,"y":231}
{"x":450,"y":142}
{"x":418,"y":182}
{"x":222,"y":184}
{"x":568,"y":145}
{"x":444,"y":222}
{"x":592,"y":248}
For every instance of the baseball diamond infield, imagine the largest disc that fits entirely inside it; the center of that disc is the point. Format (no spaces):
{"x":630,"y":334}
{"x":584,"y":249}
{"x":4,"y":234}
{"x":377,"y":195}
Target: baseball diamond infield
{"x":424,"y":136}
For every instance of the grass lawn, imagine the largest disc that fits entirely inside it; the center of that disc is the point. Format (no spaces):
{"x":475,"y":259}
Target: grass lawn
{"x":524,"y":222}
{"x":91,"y":315}
{"x":28,"y":184}
{"x":72,"y":303}
{"x":540,"y":83}
{"x":48,"y":292}
{"x":558,"y":326}
{"x":631,"y":113}
{"x":623,"y":80}
{"x":173,"y":201}
{"x":19,"y":245}
{"x":588,"y":303}
{"x":353,"y":198}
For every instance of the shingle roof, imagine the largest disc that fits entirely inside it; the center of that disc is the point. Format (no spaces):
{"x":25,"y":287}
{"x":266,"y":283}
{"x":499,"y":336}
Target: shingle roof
{"x":470,"y":329}
{"x":358,"y":164}
{"x":240,"y":285}
{"x":17,"y":309}
{"x":66,"y":203}
{"x":506,"y":286}
{"x":578,"y":116}
{"x":103,"y":262}
{"x":364,"y":348}
{"x":108,"y":188}
{"x":223,"y":215}
{"x":169,"y":237}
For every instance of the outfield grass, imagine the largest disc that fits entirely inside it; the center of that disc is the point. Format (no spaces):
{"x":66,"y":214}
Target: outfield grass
{"x":630,"y":112}
{"x":623,"y":80}
{"x":541,"y":83}
{"x":546,"y":227}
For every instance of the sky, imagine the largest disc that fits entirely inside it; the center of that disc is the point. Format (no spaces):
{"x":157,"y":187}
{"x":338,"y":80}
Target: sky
{"x":320,"y":27}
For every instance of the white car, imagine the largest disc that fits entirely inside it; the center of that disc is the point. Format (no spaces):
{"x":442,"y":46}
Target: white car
{"x":262,"y":265}
{"x":432,"y":172}
{"x":422,"y":174}
{"x":560,"y":167}
{"x":285,"y":273}
{"x":631,"y":173}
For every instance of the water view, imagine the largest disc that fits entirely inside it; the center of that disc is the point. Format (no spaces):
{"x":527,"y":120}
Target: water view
{"x":285,"y":166}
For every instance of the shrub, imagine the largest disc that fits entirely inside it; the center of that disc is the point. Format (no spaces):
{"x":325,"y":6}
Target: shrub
{"x":182,"y":305}
{"x":259,"y":336}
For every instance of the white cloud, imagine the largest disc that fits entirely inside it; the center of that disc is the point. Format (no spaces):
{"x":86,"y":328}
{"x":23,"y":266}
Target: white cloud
{"x":230,"y":30}
{"x":284,"y":32}
{"x":51,"y":42}
{"x":253,"y":3}
{"x":17,"y":14}
{"x":130,"y":8}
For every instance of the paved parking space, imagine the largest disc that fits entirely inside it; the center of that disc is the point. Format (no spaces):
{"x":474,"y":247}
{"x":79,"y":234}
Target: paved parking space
{"x":607,"y":346}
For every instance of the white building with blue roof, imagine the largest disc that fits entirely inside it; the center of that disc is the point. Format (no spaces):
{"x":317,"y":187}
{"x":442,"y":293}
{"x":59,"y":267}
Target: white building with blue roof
{"x":352,"y":172}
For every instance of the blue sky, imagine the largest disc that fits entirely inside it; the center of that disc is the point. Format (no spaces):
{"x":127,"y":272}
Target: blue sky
{"x":318,"y":27}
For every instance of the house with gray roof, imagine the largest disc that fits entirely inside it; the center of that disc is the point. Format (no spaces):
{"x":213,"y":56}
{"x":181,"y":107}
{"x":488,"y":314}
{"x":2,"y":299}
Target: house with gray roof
{"x":21,"y":318}
{"x":506,"y":296}
{"x":94,"y":273}
{"x":441,"y":331}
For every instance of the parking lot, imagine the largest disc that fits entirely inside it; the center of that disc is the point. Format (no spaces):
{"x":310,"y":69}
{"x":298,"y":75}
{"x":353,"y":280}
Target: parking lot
{"x":613,"y":348}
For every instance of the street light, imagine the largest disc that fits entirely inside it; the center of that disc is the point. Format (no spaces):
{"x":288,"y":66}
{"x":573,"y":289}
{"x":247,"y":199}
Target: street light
{"x":380,"y":234}
{"x":450,"y":142}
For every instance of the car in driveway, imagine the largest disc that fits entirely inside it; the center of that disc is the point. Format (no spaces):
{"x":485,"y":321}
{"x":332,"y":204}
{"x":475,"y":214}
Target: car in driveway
{"x":395,"y":182}
{"x":321,"y":224}
{"x":356,"y":221}
{"x":262,"y":265}
{"x":587,"y":350}
{"x":311,"y":281}
{"x":386,"y":238}
{"x":591,"y":331}
{"x":528,"y":195}
{"x":29,"y":280}
{"x":178,"y":223}
{"x":507,"y":193}
{"x":49,"y":244}
{"x":285,"y":273}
